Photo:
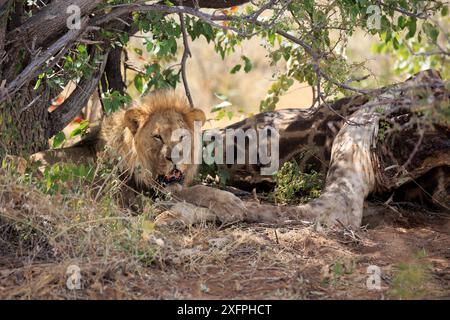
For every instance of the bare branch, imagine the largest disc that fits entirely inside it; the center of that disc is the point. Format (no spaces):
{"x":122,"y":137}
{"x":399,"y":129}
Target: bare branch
{"x":50,"y":21}
{"x":35,"y":66}
{"x":3,"y":25}
{"x":186,"y":55}
{"x":128,"y":8}
{"x":212,"y":4}
{"x":418,"y":15}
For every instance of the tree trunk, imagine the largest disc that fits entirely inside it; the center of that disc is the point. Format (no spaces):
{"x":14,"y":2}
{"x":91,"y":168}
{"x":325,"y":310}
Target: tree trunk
{"x":29,"y":44}
{"x":23,"y":123}
{"x":416,"y":142}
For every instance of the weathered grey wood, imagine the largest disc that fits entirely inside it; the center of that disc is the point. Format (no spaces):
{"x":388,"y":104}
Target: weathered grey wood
{"x":35,"y":66}
{"x":358,"y":164}
{"x":49,"y":22}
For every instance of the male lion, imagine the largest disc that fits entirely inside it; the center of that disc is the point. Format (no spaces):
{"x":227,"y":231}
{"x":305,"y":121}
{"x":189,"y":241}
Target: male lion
{"x":142,"y":138}
{"x":139,"y":140}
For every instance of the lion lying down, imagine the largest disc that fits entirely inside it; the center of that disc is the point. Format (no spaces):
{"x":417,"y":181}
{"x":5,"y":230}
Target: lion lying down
{"x":139,"y":139}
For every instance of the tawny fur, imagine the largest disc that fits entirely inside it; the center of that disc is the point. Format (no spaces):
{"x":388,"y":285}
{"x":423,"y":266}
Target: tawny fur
{"x":128,"y":136}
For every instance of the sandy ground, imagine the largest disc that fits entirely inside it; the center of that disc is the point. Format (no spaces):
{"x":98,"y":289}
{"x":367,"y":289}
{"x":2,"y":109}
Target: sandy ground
{"x":258,"y":262}
{"x":411,"y":249}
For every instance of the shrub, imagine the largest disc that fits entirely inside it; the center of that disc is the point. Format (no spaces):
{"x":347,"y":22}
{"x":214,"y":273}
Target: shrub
{"x":294,"y":186}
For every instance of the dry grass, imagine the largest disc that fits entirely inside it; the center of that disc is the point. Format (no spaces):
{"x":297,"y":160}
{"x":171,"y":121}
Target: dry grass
{"x":122,"y":256}
{"x":51,"y":232}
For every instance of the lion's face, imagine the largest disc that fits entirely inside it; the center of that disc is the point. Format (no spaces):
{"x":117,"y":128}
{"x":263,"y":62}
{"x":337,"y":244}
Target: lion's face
{"x":153,"y":141}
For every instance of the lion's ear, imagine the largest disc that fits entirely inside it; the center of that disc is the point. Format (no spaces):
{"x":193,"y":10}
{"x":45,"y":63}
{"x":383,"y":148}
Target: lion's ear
{"x":197,"y":115}
{"x":133,"y":118}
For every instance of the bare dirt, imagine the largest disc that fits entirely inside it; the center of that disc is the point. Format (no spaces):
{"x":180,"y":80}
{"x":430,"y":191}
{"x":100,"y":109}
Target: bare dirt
{"x":298,"y":263}
{"x":411,"y":248}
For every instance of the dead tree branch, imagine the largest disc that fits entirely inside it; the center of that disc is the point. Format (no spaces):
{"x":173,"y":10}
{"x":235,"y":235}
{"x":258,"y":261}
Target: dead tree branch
{"x":36,"y":65}
{"x":186,"y":55}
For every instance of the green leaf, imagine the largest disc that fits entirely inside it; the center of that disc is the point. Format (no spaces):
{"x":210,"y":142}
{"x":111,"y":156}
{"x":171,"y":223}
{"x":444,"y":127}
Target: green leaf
{"x":151,"y":69}
{"x":197,"y":30}
{"x":150,"y":46}
{"x":385,"y":23}
{"x":172,"y":44}
{"x":124,"y":38}
{"x":248,"y":64}
{"x":59,"y":139}
{"x":38,"y":84}
{"x":139,"y":83}
{"x":113,"y":101}
{"x":236,"y":68}
{"x":402,"y":21}
{"x":220,"y":115}
{"x":395,"y":43}
{"x":431,"y":31}
{"x":81,"y":129}
{"x":82,"y":49}
{"x":271,"y":37}
{"x":221,"y":96}
{"x":168,"y":3}
{"x":208,"y":32}
{"x":412,"y":27}
{"x":39,"y":81}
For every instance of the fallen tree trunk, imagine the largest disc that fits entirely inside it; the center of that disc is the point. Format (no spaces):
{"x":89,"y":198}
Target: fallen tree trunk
{"x":415,"y":141}
{"x":306,"y":135}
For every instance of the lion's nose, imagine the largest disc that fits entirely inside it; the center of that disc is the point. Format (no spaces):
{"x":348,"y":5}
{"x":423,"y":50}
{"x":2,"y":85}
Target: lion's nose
{"x":167,"y":152}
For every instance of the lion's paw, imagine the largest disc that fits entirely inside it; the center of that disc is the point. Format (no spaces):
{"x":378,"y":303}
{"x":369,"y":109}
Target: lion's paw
{"x":227,"y":207}
{"x":169,"y":219}
{"x":184,"y":214}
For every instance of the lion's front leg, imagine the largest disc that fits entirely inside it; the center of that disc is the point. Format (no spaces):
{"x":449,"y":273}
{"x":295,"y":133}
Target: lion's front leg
{"x":184,"y":214}
{"x":209,"y":204}
{"x":226,"y":206}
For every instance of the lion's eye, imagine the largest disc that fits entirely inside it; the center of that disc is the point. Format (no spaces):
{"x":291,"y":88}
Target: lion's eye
{"x":157,"y":137}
